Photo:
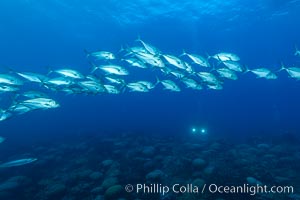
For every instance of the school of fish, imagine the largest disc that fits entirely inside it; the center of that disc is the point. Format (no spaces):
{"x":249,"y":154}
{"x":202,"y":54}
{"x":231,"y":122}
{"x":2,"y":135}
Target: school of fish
{"x":112,"y":73}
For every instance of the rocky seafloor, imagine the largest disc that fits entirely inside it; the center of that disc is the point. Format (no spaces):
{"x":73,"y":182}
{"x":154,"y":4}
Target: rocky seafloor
{"x":98,"y":167}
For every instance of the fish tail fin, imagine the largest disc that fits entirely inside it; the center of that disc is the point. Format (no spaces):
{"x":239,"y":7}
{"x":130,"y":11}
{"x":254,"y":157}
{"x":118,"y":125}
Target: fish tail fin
{"x":44,"y":84}
{"x":122,"y":49}
{"x":183,"y":53}
{"x":157,"y":81}
{"x":138,"y":39}
{"x":87,"y":53}
{"x":219,"y":62}
{"x":213,"y":67}
{"x":193,"y":73}
{"x":208,"y":56}
{"x":14,"y":99}
{"x":183,"y":77}
{"x":246,"y":69}
{"x":93,"y":67}
{"x":282,"y":67}
{"x":127,"y":51}
{"x":123,"y":87}
{"x":296,"y":50}
{"x":50,"y":70}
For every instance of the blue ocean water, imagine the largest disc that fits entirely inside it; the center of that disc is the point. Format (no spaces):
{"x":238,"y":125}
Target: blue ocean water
{"x":36,"y":35}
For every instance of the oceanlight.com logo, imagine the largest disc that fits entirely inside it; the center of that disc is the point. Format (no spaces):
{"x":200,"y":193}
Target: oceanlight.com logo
{"x":250,"y":189}
{"x":211,"y":188}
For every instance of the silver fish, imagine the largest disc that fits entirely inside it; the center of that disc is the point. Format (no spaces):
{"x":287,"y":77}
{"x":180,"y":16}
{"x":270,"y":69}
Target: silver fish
{"x":92,"y":86}
{"x":191,"y":83}
{"x":111,"y":89}
{"x":271,"y":76}
{"x":114,"y":69}
{"x":10,"y":80}
{"x":197,"y":59}
{"x":177,"y":74}
{"x":73,"y":90}
{"x":233,"y":65}
{"x":224,"y":56}
{"x":135,"y":63}
{"x":263,"y":73}
{"x":170,"y":85}
{"x":208,"y":77}
{"x":19,"y":162}
{"x":70,"y":73}
{"x":148,"y":84}
{"x":189,"y":69}
{"x":173,"y":60}
{"x":294,"y":72}
{"x":151,"y":49}
{"x":59,"y":81}
{"x":137,"y":87}
{"x":215,"y":87}
{"x":40,"y":103}
{"x":4,"y":115}
{"x":19,"y":109}
{"x":34,"y":94}
{"x":101,"y":55}
{"x":227,"y":73}
{"x":115,"y":80}
{"x":150,"y":59}
{"x":137,"y":49}
{"x":32,"y":77}
{"x":8,"y":88}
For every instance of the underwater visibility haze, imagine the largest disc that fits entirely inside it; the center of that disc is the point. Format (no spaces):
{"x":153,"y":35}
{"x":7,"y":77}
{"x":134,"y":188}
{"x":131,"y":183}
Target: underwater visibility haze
{"x":96,"y":95}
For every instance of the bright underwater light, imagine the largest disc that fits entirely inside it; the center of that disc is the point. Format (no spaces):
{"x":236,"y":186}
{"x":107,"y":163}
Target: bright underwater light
{"x":200,"y":131}
{"x":203,"y":131}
